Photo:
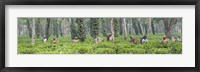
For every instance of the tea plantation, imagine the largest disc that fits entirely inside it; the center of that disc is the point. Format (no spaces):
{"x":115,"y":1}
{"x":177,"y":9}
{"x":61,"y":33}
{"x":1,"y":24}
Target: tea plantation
{"x":120,"y":46}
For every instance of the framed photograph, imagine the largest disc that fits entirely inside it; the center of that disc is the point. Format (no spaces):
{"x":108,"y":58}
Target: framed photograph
{"x":100,"y":35}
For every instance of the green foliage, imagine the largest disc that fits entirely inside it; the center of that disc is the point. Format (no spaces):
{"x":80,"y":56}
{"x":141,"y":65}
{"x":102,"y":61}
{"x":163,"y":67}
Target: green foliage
{"x":121,"y":46}
{"x":38,"y":27}
{"x":81,"y":33}
{"x":116,"y":22}
{"x":73,"y":28}
{"x":105,"y":51}
{"x":104,"y":26}
{"x":94,"y":27}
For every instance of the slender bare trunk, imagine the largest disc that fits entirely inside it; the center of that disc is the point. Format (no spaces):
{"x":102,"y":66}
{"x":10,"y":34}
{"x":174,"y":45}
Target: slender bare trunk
{"x":47,"y":28}
{"x":152,"y":26}
{"x":33,"y":31}
{"x":148,"y":26}
{"x":124,"y":28}
{"x":141,"y":27}
{"x":112,"y":29}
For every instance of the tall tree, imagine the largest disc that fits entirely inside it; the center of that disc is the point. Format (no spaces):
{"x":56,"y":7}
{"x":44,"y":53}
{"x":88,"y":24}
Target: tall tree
{"x":47,"y":28}
{"x":131,"y":26}
{"x":29,"y":27}
{"x":88,"y":25}
{"x":134,"y":22}
{"x":81,"y":33}
{"x":152,"y":26}
{"x":121,"y":26}
{"x":157,"y":24}
{"x":168,"y":24}
{"x":104,"y":27}
{"x":55,"y":25}
{"x":33,"y":31}
{"x":124,"y":28}
{"x":73,"y":27}
{"x":43,"y":26}
{"x":116,"y":25}
{"x":66,"y":26}
{"x":112,"y":29}
{"x":140,"y":20}
{"x":147,"y":25}
{"x":38,"y":27}
{"x":58,"y":26}
{"x":63,"y":27}
{"x":94,"y":26}
{"x":60,"y":23}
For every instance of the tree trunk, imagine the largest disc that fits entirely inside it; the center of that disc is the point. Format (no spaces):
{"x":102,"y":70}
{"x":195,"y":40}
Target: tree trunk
{"x":88,"y":25}
{"x":43,"y":22}
{"x":47,"y":28}
{"x":67,"y":26}
{"x":124,"y":28}
{"x":121,"y":26}
{"x":81,"y":29}
{"x":116,"y":27}
{"x":73,"y":27}
{"x":94,"y":27}
{"x":112,"y":29}
{"x":168,"y":24}
{"x":148,"y":25}
{"x":134,"y":22}
{"x":152,"y":26}
{"x":61,"y":25}
{"x":104,"y":32}
{"x":57,"y":23}
{"x":141,"y":27}
{"x":168,"y":32}
{"x":37,"y":27}
{"x":33,"y":31}
{"x":29,"y":27}
{"x":146,"y":29}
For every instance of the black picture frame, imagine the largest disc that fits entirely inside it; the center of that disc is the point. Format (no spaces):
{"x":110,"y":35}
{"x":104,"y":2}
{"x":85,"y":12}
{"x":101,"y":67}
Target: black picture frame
{"x":99,"y":2}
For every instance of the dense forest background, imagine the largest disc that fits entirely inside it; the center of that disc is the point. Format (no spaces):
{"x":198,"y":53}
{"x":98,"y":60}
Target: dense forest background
{"x":83,"y":28}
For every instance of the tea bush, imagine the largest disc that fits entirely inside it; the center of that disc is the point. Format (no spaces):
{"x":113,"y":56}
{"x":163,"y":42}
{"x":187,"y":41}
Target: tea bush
{"x":120,"y":46}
